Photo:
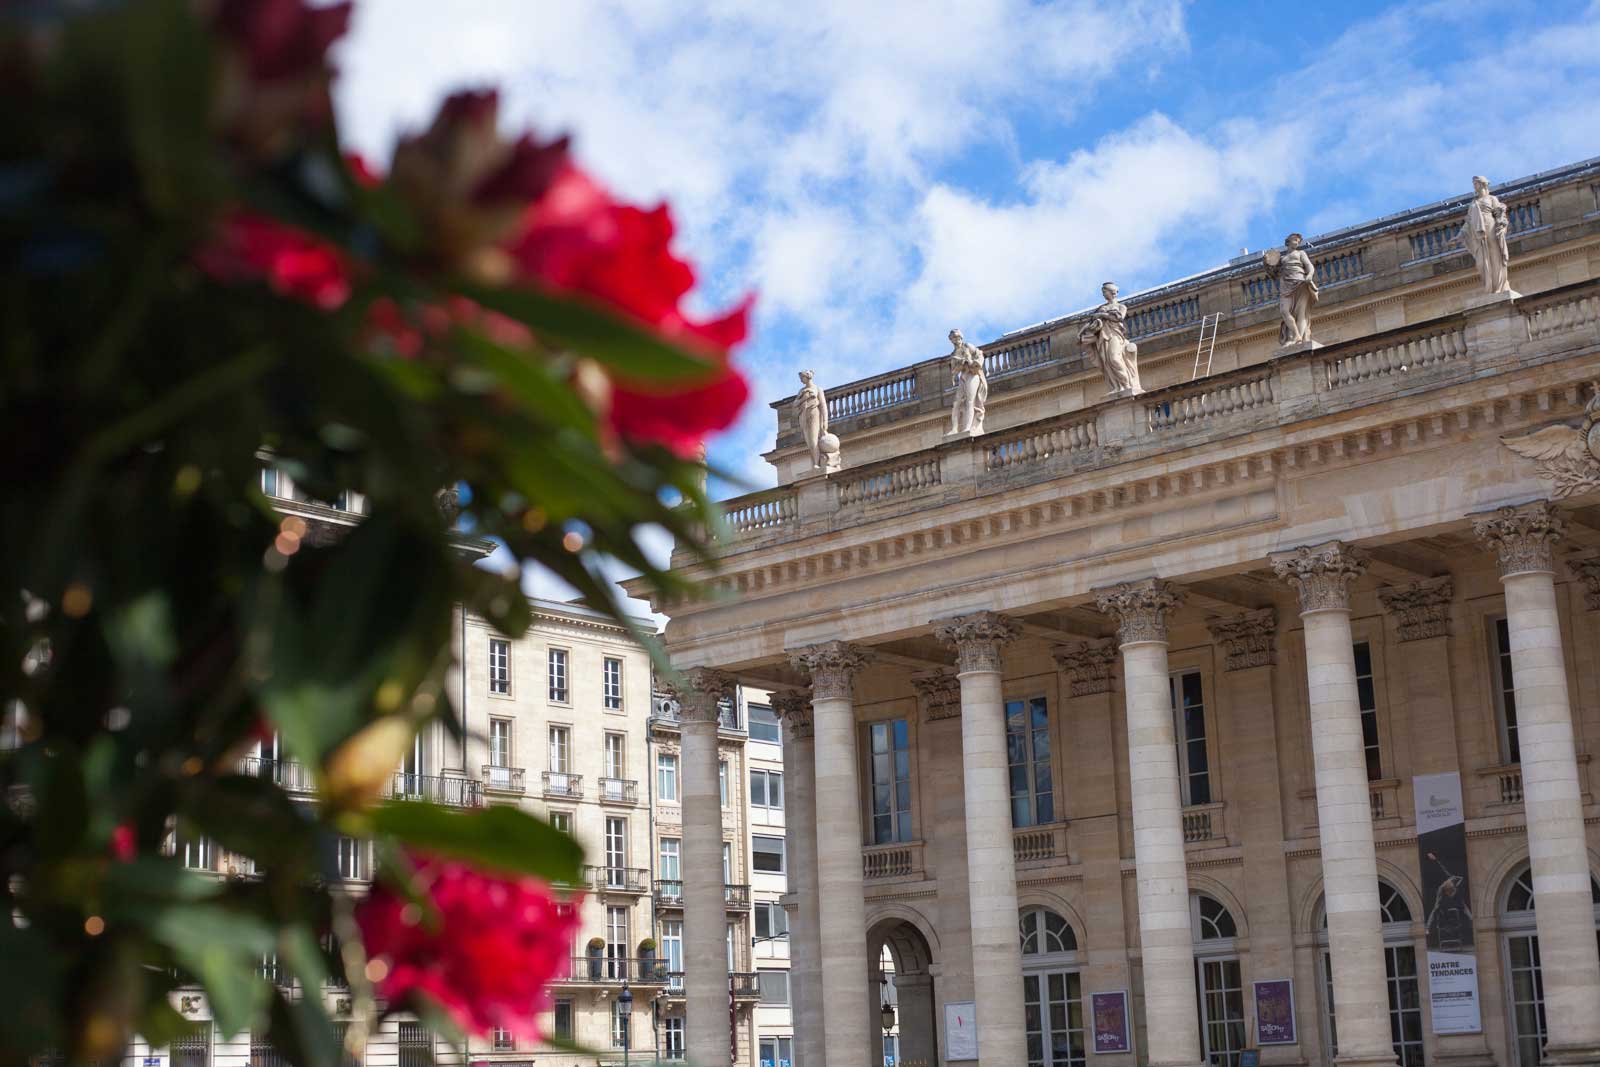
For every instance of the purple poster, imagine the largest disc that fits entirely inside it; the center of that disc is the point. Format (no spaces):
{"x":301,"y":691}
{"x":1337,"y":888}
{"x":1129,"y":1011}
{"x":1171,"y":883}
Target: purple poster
{"x":1110,"y":1014}
{"x":1275,"y":1012}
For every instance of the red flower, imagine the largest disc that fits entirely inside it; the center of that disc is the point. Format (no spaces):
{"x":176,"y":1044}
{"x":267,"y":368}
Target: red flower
{"x":250,"y":247}
{"x":282,"y":38}
{"x":499,"y":944}
{"x":578,"y":239}
{"x":124,"y":843}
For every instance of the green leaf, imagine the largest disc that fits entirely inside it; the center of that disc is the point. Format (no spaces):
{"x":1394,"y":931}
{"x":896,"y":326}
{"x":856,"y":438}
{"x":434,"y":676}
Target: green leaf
{"x":588,"y":329}
{"x":300,"y":1030}
{"x":254,"y":817}
{"x":223,"y":948}
{"x":132,"y":886}
{"x":497,"y":837}
{"x":30,"y":983}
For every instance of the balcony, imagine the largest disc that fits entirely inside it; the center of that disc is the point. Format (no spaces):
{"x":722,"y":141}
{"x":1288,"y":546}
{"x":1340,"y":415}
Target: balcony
{"x":619,"y":791}
{"x":614,"y":970}
{"x":504,"y":779}
{"x":562,"y":784}
{"x":899,"y":861}
{"x":619,"y":879}
{"x":292,"y":775}
{"x":1202,"y":825}
{"x":746,"y":985}
{"x":455,"y":792}
{"x":737,"y":896}
{"x":1039,"y":844}
{"x":669,"y":893}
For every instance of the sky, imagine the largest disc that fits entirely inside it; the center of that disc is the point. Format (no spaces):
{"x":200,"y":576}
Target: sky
{"x":878,"y":172}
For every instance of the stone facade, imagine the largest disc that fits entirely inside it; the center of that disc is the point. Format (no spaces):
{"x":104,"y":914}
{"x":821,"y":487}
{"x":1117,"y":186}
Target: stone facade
{"x":1204,"y":640}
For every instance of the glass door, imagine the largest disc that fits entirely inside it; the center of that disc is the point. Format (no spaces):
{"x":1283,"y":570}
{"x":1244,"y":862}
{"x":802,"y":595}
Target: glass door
{"x":1222,"y":1029}
{"x":1053,"y":1015}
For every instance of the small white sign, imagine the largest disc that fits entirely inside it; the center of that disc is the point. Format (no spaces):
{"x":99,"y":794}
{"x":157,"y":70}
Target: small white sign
{"x":961,"y":1030}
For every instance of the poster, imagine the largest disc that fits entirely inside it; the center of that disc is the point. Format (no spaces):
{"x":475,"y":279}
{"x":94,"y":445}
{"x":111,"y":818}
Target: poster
{"x":1275,"y":1012}
{"x":1109,"y":1013}
{"x":961,"y":1030}
{"x":1447,"y":902}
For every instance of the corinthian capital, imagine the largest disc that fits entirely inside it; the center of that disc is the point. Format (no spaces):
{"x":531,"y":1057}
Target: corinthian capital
{"x":1140,"y":608}
{"x":794,"y":708}
{"x":832,"y":666}
{"x":699,"y":691}
{"x":977,"y":639}
{"x":1321,"y":574}
{"x":940,"y":692}
{"x":1522,"y":537}
{"x":1248,"y":640}
{"x":1090,"y":666}
{"x":1420,"y":609}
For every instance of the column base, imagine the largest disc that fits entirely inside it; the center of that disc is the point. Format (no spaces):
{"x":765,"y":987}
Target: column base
{"x":1571,"y":1056}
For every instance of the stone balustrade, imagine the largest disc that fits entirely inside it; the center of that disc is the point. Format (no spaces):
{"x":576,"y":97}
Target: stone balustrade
{"x":1039,"y":844}
{"x":1210,"y":398}
{"x":869,"y":485}
{"x":901,"y":860}
{"x":1563,"y":313}
{"x":1202,"y":823}
{"x":875,"y":394}
{"x":760,"y":511}
{"x":1034,"y":352}
{"x":1040,"y":443}
{"x":1400,"y":356}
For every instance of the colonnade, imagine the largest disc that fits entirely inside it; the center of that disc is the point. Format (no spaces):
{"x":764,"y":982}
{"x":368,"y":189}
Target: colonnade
{"x":828,"y":925}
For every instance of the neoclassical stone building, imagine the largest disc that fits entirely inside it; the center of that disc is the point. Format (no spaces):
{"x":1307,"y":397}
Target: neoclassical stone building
{"x":1253,"y":710}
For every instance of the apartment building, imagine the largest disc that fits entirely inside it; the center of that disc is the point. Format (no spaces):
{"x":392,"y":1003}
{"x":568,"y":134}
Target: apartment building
{"x":769,"y":881}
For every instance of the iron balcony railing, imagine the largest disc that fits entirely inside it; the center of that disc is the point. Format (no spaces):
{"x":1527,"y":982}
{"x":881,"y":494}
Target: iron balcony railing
{"x":619,"y":879}
{"x":504,"y":779}
{"x":746,"y":984}
{"x":562,"y":784}
{"x":614,"y":970}
{"x":292,"y":775}
{"x":737,"y":896}
{"x":456,"y":792}
{"x":669,"y":893}
{"x":619,"y":791}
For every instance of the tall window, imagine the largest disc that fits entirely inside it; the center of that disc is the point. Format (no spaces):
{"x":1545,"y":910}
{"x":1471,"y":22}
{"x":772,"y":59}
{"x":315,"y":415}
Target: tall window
{"x":616,"y":755}
{"x":1028,"y":753}
{"x":727,"y":863}
{"x":1189,"y":730}
{"x":890,"y":747}
{"x":767,"y":854}
{"x":499,"y":742}
{"x":616,"y":851}
{"x":673,"y":1034}
{"x":563,"y":1020}
{"x":1219,"y":981}
{"x":667,"y":777}
{"x":1524,"y":971}
{"x":503,"y":1040}
{"x":352,"y":858}
{"x":672,"y":950}
{"x":771,"y":920}
{"x":617,"y":939}
{"x":415,"y":1045}
{"x":774,"y":987}
{"x":262,"y":1054}
{"x":619,"y":1025}
{"x":778,"y":1051}
{"x":670,"y":853}
{"x":764,"y":725}
{"x":561,"y":820}
{"x":560,"y":749}
{"x":766,"y":792}
{"x":611,"y":683}
{"x":1400,"y":967}
{"x":1505,"y":693}
{"x":1367,"y":692}
{"x":193,"y":1049}
{"x":271,"y":481}
{"x":194,"y":850}
{"x":558,"y":675}
{"x":722,"y":781}
{"x":1052,"y":991}
{"x":499,"y":665}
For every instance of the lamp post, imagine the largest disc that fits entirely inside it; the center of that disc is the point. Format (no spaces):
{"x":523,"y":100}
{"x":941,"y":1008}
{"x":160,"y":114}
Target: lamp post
{"x":886,"y":1016}
{"x":625,"y":1013}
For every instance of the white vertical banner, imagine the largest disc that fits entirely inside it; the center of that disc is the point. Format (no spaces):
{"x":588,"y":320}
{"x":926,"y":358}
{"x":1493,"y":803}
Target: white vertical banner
{"x":1447,"y":900}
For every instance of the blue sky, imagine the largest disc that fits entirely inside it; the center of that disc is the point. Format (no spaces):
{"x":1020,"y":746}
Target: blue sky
{"x":879,"y":172}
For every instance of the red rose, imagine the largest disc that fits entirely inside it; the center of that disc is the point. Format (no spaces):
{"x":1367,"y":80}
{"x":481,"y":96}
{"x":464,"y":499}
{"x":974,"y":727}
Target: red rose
{"x":250,"y":247}
{"x":282,"y":38}
{"x":124,"y":842}
{"x":578,"y":239}
{"x":499,"y":944}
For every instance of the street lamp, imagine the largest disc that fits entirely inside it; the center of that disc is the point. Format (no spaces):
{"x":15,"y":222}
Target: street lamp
{"x":886,"y":1014}
{"x":625,"y":1013}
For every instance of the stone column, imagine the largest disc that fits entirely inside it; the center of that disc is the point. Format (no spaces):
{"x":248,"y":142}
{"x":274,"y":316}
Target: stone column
{"x":1321,"y":575}
{"x":991,"y":864}
{"x":705,"y":914}
{"x":805,"y":935}
{"x":1523,"y":539}
{"x":846,"y":1005}
{"x":1088,"y":691}
{"x":1166,"y":942}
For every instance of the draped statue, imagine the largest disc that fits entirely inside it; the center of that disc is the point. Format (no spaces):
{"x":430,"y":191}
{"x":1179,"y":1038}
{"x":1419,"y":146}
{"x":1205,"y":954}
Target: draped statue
{"x":972,"y":386}
{"x":1104,"y":337}
{"x":1484,"y":235}
{"x":1297,"y":289}
{"x":812,"y":407}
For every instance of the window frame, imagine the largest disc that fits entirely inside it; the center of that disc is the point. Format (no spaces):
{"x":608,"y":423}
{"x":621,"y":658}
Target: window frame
{"x":565,"y":1033}
{"x":767,"y":779}
{"x":1031,"y":762}
{"x":564,"y":748}
{"x":506,"y":744}
{"x":611,"y":694}
{"x":677,"y":859}
{"x":667,"y":763}
{"x":1184,"y":743}
{"x":758,"y":712}
{"x":1503,"y":689}
{"x":562,"y":693}
{"x":782,"y":853}
{"x":773,"y":973}
{"x":894,"y":823}
{"x":500,"y":667}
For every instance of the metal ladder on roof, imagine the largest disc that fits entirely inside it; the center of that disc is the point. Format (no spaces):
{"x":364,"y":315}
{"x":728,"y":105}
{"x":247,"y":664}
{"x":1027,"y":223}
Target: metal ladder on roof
{"x":1206,"y":344}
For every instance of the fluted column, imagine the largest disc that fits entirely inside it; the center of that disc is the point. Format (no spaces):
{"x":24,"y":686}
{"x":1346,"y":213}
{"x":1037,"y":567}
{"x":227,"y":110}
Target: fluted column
{"x":1321,"y":575}
{"x":805,"y":935}
{"x":1551,"y":796}
{"x":705,"y":915}
{"x":991,"y":864}
{"x":1166,"y":942}
{"x":847,"y":1009}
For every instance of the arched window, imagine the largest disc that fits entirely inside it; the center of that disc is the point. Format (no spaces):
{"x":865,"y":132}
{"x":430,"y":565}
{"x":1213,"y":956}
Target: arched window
{"x":1044,"y":933}
{"x":1052,"y":991}
{"x":1524,"y":976}
{"x":1221,"y":984}
{"x":1400,"y":969}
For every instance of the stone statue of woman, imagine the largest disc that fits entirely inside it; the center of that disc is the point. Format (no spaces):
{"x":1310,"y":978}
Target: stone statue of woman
{"x":812,"y":410}
{"x":1105,"y":337}
{"x":972,"y":386}
{"x":1484,"y":234}
{"x":1297,"y":289}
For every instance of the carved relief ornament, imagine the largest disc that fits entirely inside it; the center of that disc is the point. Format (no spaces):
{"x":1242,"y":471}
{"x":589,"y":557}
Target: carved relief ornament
{"x":1522,"y":537}
{"x":1567,"y":455}
{"x":1420,"y":609}
{"x":1321,"y":574}
{"x":1140,"y":609}
{"x":977,"y":639}
{"x":1248,"y":640}
{"x":832,"y":666}
{"x":1090,"y":666}
{"x":940,"y":693}
{"x":1587,"y":571}
{"x":699,"y":691}
{"x":794,"y":708}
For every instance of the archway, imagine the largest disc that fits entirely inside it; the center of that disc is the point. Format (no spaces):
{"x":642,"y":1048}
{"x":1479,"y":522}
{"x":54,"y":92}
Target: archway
{"x":900,"y":973}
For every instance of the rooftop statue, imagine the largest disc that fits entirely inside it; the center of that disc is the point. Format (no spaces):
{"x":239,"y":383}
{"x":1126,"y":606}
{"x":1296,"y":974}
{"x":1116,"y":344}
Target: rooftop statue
{"x":972,"y":386}
{"x":1105,"y":337}
{"x":1297,"y":289}
{"x":812,"y":408}
{"x":1484,"y":235}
